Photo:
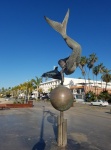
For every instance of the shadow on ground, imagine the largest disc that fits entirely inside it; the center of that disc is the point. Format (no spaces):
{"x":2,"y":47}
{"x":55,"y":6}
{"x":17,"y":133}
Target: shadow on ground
{"x":40,"y":145}
{"x":73,"y":143}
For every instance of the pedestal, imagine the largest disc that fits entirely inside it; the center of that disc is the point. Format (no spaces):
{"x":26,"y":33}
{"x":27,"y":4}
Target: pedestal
{"x":62,"y":130}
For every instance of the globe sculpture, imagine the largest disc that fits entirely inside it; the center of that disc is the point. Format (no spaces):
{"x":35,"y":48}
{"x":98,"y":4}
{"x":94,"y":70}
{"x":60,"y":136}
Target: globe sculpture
{"x":61,"y":98}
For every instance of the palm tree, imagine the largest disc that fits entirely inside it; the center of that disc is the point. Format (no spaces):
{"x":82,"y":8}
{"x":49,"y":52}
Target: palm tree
{"x":3,"y":91}
{"x":83,"y":62}
{"x":90,"y":63}
{"x":106,"y":77}
{"x":15,"y":90}
{"x":101,"y":70}
{"x":96,"y":71}
{"x":92,"y":59}
{"x":27,"y":87}
{"x":36,"y":82}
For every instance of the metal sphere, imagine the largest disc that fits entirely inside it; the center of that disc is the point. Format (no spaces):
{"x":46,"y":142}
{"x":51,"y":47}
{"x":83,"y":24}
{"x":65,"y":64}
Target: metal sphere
{"x":61,"y":98}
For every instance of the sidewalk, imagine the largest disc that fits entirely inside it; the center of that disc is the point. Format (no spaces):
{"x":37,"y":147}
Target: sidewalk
{"x":36,"y":128}
{"x":4,"y":101}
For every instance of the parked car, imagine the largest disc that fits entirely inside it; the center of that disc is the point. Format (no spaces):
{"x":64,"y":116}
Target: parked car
{"x":45,"y":97}
{"x":100,"y":103}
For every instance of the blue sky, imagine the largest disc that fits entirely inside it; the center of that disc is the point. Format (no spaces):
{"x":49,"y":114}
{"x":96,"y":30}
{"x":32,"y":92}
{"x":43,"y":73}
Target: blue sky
{"x":29,"y":46}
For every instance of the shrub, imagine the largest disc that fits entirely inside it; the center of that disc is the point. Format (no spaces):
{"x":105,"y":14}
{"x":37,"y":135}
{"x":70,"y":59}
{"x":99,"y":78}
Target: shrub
{"x":90,"y":96}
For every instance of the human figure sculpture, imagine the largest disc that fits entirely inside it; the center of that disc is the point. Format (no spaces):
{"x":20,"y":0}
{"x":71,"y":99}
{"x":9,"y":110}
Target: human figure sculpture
{"x":70,"y":63}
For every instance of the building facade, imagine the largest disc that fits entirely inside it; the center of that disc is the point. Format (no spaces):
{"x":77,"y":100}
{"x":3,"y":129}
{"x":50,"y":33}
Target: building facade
{"x":78,"y":86}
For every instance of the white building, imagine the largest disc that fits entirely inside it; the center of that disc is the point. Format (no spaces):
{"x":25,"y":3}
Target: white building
{"x":68,"y":82}
{"x":76,"y":85}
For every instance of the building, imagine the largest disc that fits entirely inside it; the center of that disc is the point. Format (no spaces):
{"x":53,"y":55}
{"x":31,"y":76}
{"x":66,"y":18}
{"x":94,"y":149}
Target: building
{"x":78,"y":86}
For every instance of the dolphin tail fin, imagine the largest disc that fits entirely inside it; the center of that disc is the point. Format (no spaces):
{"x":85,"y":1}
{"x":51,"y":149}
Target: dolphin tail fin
{"x":59,"y":27}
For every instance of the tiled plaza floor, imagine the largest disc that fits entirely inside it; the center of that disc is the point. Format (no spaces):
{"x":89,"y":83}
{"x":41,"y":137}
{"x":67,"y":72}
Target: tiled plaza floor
{"x":89,"y":128}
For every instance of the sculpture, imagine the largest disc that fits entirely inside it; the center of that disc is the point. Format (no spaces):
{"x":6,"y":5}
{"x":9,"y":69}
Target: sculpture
{"x":55,"y":74}
{"x":70,"y":63}
{"x":61,"y":97}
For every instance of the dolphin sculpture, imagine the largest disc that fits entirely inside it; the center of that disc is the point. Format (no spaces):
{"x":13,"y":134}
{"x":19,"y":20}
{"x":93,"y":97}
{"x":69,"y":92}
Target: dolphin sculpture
{"x":70,"y":63}
{"x":55,"y":74}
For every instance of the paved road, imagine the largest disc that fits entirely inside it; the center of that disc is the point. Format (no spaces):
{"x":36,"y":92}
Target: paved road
{"x":89,"y":128}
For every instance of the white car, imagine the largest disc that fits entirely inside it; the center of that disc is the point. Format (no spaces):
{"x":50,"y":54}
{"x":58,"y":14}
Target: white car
{"x":99,"y":103}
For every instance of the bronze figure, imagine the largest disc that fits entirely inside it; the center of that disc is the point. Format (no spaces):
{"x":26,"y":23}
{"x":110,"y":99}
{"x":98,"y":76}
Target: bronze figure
{"x":70,"y":63}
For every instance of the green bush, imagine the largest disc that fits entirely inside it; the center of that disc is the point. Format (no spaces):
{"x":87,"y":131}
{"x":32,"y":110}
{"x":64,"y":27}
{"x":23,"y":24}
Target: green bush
{"x":90,"y":96}
{"x":104,"y":95}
